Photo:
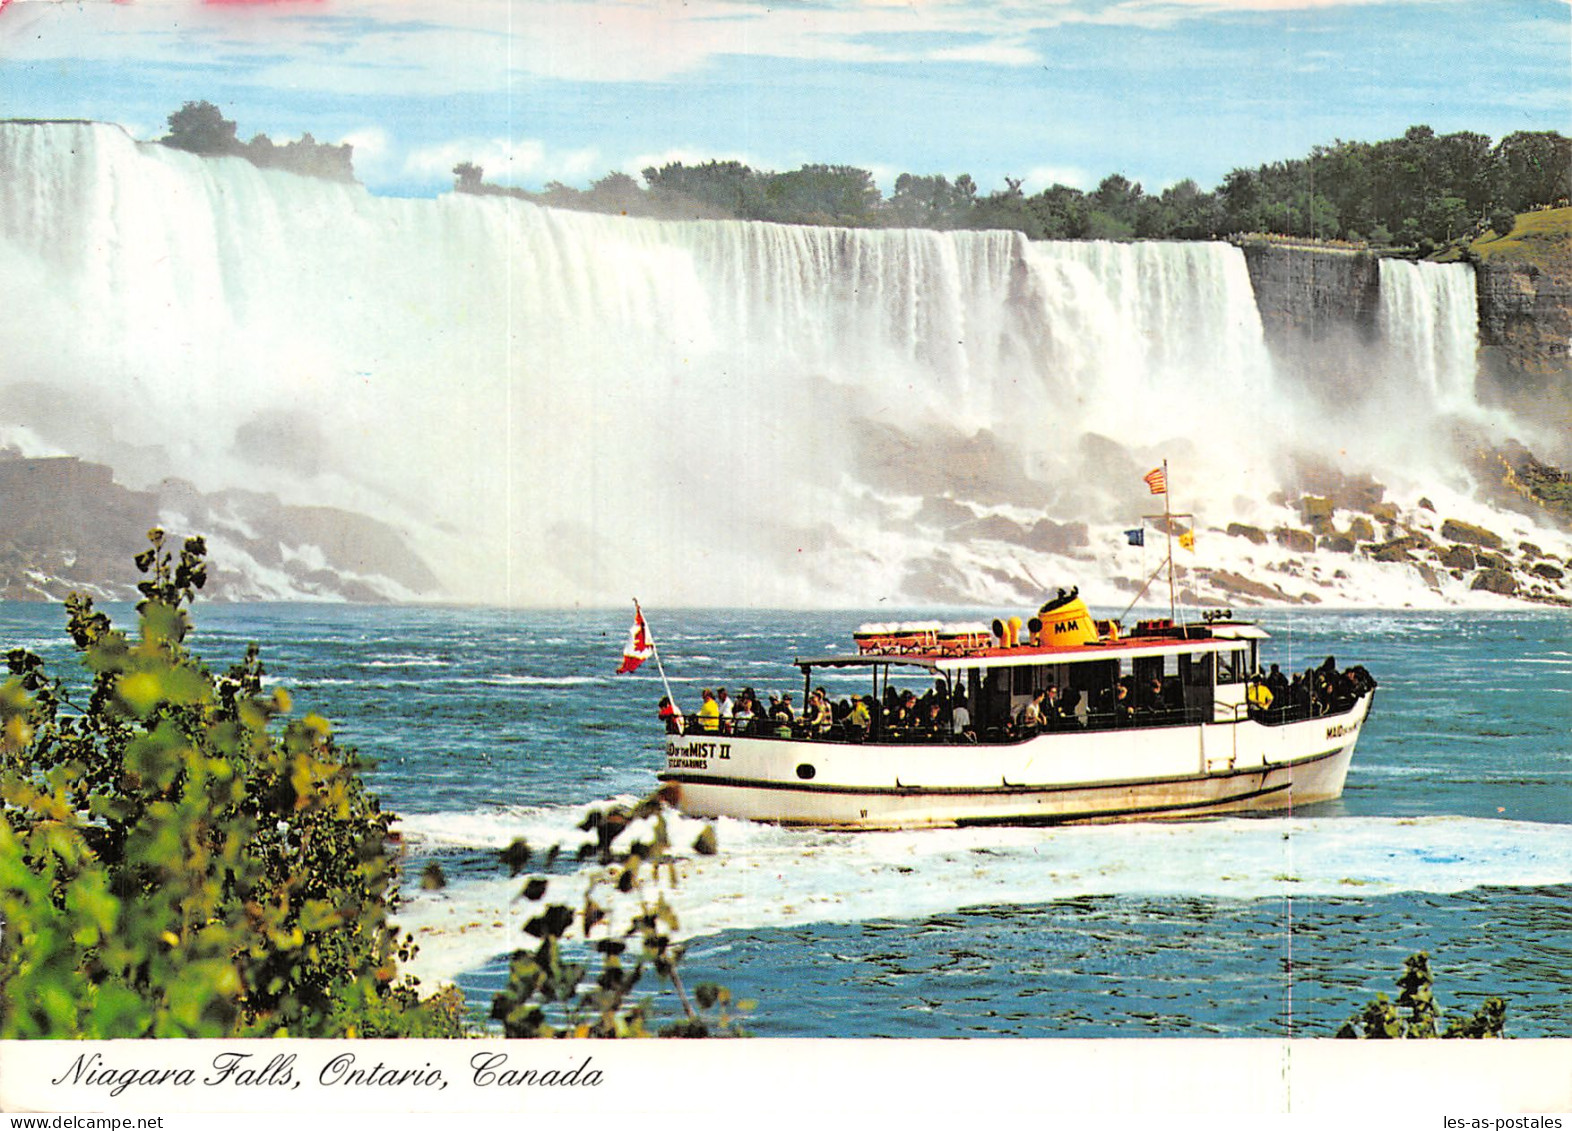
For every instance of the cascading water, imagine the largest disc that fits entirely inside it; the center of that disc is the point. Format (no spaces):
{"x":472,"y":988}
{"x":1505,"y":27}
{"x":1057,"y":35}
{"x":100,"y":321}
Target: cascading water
{"x":559,"y":407}
{"x":1429,"y":312}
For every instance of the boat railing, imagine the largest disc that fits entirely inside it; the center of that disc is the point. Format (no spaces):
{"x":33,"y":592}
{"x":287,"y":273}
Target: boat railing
{"x":888,"y":734}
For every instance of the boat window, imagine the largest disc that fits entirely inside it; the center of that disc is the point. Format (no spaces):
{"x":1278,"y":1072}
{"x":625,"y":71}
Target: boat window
{"x":1197,"y":670}
{"x":1230,"y":667}
{"x":1029,"y":680}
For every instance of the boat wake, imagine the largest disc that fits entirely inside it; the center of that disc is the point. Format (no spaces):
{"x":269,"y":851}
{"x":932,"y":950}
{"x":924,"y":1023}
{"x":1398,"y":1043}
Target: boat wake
{"x":766,"y":876}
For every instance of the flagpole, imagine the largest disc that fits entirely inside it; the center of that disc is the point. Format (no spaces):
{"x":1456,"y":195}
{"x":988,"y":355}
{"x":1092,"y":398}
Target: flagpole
{"x":1168,"y":526}
{"x":654,"y":651}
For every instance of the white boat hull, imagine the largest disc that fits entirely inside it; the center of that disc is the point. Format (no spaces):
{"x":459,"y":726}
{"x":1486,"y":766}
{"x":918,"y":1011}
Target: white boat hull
{"x":1123,"y":774}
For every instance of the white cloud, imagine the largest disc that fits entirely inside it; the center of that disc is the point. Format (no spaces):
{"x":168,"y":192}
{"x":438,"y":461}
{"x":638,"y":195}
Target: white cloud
{"x":1046,"y":176}
{"x":997,"y":54}
{"x":524,"y":163}
{"x":399,"y":46}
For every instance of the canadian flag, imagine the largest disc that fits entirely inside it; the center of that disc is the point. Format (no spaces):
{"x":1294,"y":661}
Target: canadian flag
{"x":640,"y":647}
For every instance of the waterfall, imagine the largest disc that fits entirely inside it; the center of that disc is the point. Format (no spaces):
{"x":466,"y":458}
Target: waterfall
{"x":1429,"y":319}
{"x":559,"y":407}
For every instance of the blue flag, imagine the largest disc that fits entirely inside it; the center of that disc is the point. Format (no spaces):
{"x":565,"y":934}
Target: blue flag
{"x":1137,"y":537}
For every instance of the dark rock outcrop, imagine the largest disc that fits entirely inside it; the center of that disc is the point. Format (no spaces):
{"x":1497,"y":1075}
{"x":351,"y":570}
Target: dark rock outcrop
{"x":1454,"y":530}
{"x":1495,"y":581}
{"x":69,"y":525}
{"x":1524,"y":285}
{"x":1299,"y":541}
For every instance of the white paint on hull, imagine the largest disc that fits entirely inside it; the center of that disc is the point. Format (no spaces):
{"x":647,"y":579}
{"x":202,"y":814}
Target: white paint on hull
{"x":1109,"y":775}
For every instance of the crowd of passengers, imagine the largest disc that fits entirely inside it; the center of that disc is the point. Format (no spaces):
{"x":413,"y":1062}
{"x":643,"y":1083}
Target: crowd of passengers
{"x":903,"y":716}
{"x":1322,"y":690}
{"x":900,"y":716}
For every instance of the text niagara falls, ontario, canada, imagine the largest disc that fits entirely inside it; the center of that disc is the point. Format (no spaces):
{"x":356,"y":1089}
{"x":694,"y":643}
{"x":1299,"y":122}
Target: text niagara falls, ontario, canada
{"x":342,"y":1070}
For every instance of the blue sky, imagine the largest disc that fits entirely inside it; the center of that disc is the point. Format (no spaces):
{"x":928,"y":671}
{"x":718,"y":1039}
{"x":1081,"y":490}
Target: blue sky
{"x":1045,"y":90}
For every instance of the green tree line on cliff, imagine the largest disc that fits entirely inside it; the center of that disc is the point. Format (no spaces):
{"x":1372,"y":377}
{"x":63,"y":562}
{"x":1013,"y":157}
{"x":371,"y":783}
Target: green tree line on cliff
{"x":201,"y":128}
{"x":1421,"y":188}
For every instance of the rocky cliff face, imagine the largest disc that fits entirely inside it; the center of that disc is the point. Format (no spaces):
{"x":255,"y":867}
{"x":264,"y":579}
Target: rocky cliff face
{"x":1525,"y":321}
{"x":68,"y":525}
{"x":1320,"y":308}
{"x":1306,"y":291}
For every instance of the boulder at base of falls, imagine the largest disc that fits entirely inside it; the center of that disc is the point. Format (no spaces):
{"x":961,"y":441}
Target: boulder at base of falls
{"x":1454,"y":530}
{"x":1299,"y":541}
{"x":1244,"y":588}
{"x":1361,"y":529}
{"x":1253,"y":534}
{"x":1495,"y":581}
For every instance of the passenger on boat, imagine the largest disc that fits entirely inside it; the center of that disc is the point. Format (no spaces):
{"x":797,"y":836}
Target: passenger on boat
{"x":782,"y":717}
{"x":858,"y":719}
{"x":742,"y":718}
{"x":709,"y":712}
{"x":1124,"y":704}
{"x":1276,"y":683}
{"x":933,"y":722}
{"x":1067,"y":708}
{"x":1323,"y":683}
{"x":961,"y":722}
{"x":1300,"y":700}
{"x":817,"y":713}
{"x":727,"y":709}
{"x":1030,"y":720}
{"x":671,"y":716}
{"x":1151,"y":704}
{"x":1258,"y":694}
{"x":782,"y":709}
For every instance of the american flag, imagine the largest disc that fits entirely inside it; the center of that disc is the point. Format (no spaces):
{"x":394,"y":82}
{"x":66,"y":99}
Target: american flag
{"x":1157,"y":480}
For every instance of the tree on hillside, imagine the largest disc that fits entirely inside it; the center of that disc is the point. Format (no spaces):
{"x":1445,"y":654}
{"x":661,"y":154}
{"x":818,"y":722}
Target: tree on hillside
{"x":1007,"y":209}
{"x":1061,"y":212}
{"x":930,"y":202}
{"x":728,"y":187}
{"x":1187,"y":213}
{"x":200,"y":127}
{"x":823,"y":194}
{"x":1536,"y":169}
{"x":616,"y":192}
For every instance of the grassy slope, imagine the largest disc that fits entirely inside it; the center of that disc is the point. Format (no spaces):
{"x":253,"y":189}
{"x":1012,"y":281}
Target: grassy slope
{"x":1539,"y":238}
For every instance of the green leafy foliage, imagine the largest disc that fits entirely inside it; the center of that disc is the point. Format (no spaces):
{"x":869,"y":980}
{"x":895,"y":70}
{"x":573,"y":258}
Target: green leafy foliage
{"x":552,"y":990}
{"x":1415,"y":1014}
{"x":201,"y":128}
{"x":179,"y":856}
{"x":1417,"y":191}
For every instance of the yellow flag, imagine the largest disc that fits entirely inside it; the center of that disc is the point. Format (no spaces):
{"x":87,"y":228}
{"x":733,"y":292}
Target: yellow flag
{"x":1187,"y":540}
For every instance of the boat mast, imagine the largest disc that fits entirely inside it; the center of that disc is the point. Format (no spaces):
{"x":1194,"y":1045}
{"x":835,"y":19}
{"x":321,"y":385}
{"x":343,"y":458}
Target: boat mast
{"x":1168,"y":528}
{"x":654,"y":650}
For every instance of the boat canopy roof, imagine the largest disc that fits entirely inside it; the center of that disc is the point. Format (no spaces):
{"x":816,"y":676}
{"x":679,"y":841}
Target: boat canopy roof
{"x":1213,"y":638}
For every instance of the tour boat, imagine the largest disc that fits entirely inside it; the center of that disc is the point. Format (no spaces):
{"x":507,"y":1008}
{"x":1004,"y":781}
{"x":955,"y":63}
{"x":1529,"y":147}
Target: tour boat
{"x":1206,"y":738}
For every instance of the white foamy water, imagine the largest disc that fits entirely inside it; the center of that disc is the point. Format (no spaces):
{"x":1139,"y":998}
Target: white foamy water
{"x":765,"y":876}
